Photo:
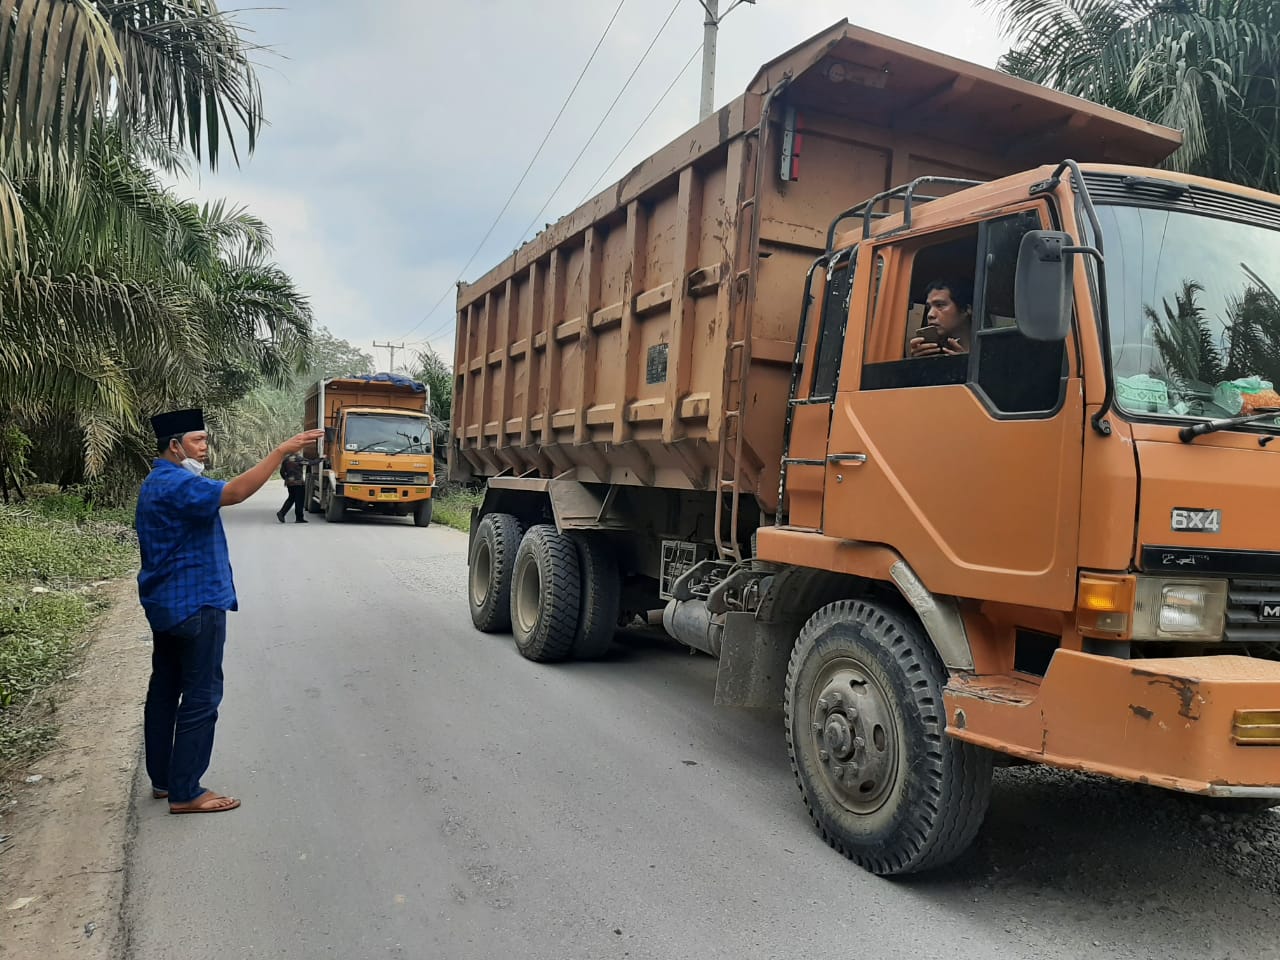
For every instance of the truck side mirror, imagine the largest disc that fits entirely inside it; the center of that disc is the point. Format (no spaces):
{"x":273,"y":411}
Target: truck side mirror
{"x":329,"y":433}
{"x":1042,"y":285}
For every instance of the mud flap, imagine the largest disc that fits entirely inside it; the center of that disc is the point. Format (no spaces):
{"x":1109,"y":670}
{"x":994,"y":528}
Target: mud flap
{"x":753,"y":662}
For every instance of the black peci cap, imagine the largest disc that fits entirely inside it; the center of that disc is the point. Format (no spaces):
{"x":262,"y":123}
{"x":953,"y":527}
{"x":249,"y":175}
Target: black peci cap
{"x":177,"y":422}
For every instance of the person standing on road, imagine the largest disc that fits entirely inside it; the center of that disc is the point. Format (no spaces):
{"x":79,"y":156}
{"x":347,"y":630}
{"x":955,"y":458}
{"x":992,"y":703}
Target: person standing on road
{"x":291,"y":470}
{"x":185,"y":587}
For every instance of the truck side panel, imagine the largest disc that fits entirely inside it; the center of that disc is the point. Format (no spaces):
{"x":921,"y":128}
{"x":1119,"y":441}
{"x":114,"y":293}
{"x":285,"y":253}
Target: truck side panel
{"x":601,"y":349}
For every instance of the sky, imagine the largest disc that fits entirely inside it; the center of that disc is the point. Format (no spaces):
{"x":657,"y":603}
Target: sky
{"x":399,"y":128}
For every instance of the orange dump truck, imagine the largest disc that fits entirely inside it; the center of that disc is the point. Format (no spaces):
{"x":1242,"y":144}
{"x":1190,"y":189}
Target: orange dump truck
{"x":377,"y":453}
{"x":956,"y":448}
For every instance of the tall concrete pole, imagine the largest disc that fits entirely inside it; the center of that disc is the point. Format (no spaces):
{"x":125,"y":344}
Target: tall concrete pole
{"x":710,"y":27}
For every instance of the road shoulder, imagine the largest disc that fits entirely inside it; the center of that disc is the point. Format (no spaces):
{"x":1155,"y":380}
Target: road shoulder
{"x":62,"y":868}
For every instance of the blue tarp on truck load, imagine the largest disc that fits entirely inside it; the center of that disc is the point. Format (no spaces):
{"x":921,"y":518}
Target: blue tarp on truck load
{"x":395,"y":378}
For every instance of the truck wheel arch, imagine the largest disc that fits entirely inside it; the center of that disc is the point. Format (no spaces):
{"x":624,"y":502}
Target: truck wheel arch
{"x":799,"y":592}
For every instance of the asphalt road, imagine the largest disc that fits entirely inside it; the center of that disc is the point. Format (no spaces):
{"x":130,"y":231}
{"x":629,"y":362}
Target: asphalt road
{"x":415,"y":789}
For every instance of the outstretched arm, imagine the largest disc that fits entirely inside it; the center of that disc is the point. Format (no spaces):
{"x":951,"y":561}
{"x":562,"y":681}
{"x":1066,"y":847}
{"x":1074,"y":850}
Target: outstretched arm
{"x":250,"y":482}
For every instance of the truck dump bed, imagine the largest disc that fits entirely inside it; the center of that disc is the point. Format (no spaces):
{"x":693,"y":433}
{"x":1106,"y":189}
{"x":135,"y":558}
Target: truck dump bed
{"x":647,"y":337}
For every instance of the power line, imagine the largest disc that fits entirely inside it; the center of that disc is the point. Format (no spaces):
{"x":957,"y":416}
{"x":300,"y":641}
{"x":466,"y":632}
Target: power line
{"x":537,"y":153}
{"x":652,"y":43}
{"x":648,"y":116}
{"x":573,"y":166}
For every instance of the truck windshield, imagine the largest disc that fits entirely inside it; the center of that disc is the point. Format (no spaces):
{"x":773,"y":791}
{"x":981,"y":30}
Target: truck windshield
{"x":1195,"y":318}
{"x":387,"y":433}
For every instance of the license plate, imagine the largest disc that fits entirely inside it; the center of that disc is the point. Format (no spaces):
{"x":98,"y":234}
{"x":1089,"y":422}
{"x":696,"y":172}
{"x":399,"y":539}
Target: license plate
{"x":388,"y":496}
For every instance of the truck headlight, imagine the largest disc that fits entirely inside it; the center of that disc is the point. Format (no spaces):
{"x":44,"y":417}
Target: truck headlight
{"x":1179,"y":609}
{"x":423,"y":478}
{"x":355,"y":476}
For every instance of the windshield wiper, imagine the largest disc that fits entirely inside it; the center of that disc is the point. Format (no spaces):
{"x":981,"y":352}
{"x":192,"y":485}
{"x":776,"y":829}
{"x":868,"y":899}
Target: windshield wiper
{"x":369,"y":446}
{"x":1187,"y":434}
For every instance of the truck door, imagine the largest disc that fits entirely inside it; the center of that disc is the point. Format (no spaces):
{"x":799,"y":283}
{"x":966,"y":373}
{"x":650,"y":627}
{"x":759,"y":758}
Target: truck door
{"x":969,"y":465}
{"x":813,"y":392}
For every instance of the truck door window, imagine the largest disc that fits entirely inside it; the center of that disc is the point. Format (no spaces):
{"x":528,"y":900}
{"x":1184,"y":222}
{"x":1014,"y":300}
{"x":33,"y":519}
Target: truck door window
{"x":901,"y":310}
{"x":1014,"y":375}
{"x":835,"y":313}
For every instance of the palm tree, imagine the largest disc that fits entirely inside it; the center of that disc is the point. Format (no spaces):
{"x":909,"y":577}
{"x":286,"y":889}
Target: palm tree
{"x":172,"y":71}
{"x":115,"y":296}
{"x":1206,"y":67}
{"x":133,"y":300}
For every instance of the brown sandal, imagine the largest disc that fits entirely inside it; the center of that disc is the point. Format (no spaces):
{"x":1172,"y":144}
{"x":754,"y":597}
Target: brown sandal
{"x":207,"y":802}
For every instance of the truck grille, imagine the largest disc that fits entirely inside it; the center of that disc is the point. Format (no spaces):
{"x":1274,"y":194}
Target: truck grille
{"x":1252,"y":608}
{"x":400,"y":477}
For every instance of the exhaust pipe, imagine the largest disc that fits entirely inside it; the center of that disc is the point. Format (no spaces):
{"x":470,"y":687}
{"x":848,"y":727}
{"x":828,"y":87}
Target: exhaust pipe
{"x":691,"y":623}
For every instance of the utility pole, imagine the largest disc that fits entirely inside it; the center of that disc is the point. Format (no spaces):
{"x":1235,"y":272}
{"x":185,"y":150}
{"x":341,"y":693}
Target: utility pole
{"x":710,"y":27}
{"x":393,"y":347}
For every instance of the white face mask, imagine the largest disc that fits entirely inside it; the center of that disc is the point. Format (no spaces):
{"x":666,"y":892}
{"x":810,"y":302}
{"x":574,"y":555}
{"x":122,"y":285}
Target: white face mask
{"x":189,"y":463}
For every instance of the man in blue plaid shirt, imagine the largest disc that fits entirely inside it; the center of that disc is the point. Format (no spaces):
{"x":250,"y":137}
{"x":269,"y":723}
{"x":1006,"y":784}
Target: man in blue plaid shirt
{"x":186,"y":589}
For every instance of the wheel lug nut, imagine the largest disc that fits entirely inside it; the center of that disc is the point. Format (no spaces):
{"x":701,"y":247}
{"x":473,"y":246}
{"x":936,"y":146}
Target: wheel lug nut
{"x":823,"y":703}
{"x":824,"y":756}
{"x":817,"y":727}
{"x":859,"y":743}
{"x":838,"y":771}
{"x":853,"y":713}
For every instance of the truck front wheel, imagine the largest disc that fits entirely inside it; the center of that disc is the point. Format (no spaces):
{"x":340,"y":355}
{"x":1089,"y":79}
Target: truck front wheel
{"x":865,"y":723}
{"x":335,"y":507}
{"x":422,"y":514}
{"x":546,"y":590}
{"x":493,"y":555}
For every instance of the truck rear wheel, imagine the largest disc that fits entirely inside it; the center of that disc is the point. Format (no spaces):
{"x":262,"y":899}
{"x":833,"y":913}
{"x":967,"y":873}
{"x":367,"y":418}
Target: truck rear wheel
{"x":422,"y":514}
{"x":546,"y":592}
{"x":865,"y":723}
{"x":601,"y":597}
{"x":493,"y":555}
{"x":335,"y":508}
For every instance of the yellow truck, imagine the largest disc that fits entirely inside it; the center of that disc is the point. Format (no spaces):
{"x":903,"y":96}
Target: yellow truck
{"x":377,"y":452}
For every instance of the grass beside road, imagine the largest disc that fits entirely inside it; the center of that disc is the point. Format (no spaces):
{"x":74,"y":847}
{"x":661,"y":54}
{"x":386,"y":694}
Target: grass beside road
{"x":453,"y":508}
{"x":55,"y":554}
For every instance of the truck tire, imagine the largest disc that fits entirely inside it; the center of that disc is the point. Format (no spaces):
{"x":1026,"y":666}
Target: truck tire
{"x":865,"y":724}
{"x":422,"y":513}
{"x":312,"y":497}
{"x":601,"y":598}
{"x":335,"y":508}
{"x":546,"y":594}
{"x":493,"y":556}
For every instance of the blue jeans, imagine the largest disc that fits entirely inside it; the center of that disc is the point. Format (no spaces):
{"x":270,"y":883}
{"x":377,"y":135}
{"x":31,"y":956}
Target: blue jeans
{"x":182,"y":702}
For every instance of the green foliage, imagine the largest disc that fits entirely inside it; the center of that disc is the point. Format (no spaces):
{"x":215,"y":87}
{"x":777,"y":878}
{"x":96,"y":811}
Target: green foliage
{"x":36,"y":549}
{"x":50,"y":556}
{"x":1210,"y":68}
{"x":330,"y":356}
{"x":436,"y":374}
{"x":454,"y":509}
{"x":118,"y":298}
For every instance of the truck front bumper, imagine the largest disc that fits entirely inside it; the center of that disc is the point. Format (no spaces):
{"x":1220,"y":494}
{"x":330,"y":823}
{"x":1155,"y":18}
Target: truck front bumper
{"x":380,"y":493}
{"x":1207,"y":725}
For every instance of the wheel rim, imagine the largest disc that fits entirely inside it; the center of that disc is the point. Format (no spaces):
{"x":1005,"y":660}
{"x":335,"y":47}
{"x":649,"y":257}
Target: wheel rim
{"x":481,"y":571}
{"x":528,"y":597}
{"x":854,"y":735}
